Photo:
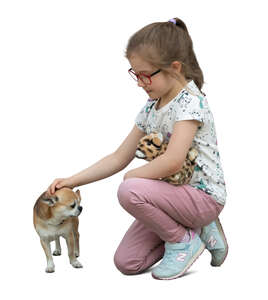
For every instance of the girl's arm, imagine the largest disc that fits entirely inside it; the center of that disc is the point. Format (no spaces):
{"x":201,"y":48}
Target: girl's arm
{"x":172,"y":160}
{"x":112,"y":163}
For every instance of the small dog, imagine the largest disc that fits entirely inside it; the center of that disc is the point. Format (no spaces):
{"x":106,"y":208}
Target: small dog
{"x":57,"y":215}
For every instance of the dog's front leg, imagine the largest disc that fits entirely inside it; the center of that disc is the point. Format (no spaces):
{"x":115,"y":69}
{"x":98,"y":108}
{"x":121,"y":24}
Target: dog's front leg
{"x":75,"y":224}
{"x":71,"y":244}
{"x":50,"y":264}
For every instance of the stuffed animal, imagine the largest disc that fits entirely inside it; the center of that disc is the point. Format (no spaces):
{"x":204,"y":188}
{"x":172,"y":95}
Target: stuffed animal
{"x":152,"y":145}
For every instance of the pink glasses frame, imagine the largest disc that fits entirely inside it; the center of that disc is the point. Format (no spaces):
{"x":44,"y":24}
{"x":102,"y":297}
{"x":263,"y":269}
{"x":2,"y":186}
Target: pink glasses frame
{"x":138,"y":75}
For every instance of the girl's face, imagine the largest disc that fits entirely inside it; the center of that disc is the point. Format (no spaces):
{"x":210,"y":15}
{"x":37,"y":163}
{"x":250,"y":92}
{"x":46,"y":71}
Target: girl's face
{"x":163,"y":85}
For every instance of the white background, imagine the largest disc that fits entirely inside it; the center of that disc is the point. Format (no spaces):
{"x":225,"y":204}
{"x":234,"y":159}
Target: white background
{"x":67,"y":101}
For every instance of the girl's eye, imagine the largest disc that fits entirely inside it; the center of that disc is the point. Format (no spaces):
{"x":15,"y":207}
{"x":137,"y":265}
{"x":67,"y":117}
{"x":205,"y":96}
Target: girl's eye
{"x":73,"y":205}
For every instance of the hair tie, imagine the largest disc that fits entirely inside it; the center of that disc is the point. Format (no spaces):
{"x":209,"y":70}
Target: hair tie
{"x":172,"y":21}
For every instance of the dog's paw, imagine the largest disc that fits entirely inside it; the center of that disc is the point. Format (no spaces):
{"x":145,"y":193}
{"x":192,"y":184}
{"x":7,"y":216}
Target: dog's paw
{"x":76,"y":264}
{"x":76,"y":253}
{"x":57,"y":252}
{"x":50,"y":269}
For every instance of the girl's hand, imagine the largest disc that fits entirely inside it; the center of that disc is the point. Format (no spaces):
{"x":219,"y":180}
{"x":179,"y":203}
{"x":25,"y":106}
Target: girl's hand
{"x":58,"y":184}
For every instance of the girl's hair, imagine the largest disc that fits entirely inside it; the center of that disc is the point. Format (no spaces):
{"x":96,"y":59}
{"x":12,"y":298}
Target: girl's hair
{"x":161,"y":43}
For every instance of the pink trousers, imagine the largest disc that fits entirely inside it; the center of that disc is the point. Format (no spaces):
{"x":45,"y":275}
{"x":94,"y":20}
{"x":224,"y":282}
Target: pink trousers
{"x":162,"y":212}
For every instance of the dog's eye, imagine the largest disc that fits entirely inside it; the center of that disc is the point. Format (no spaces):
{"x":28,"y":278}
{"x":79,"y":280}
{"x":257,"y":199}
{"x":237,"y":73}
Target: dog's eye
{"x":72,"y":206}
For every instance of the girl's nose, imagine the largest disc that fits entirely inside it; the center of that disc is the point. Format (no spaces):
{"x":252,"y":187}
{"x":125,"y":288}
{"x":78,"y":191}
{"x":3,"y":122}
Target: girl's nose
{"x":140,"y":83}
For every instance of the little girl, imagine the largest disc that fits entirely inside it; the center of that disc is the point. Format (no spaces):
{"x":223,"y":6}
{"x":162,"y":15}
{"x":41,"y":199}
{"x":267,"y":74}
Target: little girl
{"x":175,"y":223}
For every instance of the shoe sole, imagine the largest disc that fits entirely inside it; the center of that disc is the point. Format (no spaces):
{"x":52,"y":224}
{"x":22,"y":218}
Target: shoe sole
{"x":219,"y":226}
{"x":194,"y":258}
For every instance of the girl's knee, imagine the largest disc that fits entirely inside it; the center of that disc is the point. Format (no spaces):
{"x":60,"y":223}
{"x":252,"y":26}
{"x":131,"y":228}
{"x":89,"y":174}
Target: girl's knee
{"x":127,"y":191}
{"x":127,"y":265}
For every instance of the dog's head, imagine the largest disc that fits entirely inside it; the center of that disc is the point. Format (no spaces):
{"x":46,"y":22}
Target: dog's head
{"x":64,"y":203}
{"x":149,"y":146}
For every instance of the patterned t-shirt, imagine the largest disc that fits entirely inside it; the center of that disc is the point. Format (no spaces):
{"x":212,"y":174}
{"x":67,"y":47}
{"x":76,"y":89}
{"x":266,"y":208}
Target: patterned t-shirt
{"x":190,"y":104}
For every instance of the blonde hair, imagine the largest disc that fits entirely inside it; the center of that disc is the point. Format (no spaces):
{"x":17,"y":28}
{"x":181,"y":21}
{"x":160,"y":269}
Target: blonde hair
{"x":161,"y":43}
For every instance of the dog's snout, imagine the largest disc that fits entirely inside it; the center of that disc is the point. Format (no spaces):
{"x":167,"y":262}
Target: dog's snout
{"x":80,"y":208}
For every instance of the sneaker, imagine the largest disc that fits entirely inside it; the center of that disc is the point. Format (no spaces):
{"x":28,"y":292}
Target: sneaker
{"x":178,"y":258}
{"x":213,"y":237}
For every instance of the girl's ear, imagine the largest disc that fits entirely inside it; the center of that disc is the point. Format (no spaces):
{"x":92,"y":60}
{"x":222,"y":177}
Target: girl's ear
{"x":176,"y":66}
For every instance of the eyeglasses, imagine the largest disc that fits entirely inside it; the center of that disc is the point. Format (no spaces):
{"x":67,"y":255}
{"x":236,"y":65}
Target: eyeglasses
{"x":146,"y":79}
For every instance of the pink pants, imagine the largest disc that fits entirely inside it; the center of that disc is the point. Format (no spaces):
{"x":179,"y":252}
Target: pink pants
{"x":163,"y":212}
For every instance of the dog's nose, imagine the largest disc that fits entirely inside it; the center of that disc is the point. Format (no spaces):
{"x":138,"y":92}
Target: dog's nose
{"x":80,"y":208}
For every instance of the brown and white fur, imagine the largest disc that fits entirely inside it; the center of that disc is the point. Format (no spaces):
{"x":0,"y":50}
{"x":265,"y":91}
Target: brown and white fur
{"x":153,"y":145}
{"x":57,"y":215}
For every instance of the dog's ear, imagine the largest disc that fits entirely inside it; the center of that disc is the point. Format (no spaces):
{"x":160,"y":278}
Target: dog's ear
{"x":78,"y":194}
{"x":49,"y":199}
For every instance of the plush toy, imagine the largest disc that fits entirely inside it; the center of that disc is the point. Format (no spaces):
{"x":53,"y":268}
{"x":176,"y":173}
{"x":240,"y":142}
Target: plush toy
{"x":152,"y":145}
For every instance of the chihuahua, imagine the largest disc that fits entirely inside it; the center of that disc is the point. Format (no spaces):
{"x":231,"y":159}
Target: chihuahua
{"x":57,"y":215}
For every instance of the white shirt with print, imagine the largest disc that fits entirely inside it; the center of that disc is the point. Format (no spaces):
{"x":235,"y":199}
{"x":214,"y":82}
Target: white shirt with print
{"x":190,"y":104}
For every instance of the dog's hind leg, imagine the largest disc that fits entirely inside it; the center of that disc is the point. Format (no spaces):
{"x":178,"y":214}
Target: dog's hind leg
{"x":57,"y":251}
{"x":50,"y":264}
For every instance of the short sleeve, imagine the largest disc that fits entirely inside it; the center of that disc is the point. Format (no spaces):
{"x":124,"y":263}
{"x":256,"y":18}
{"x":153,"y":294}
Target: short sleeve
{"x":191,"y":107}
{"x":141,"y":118}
